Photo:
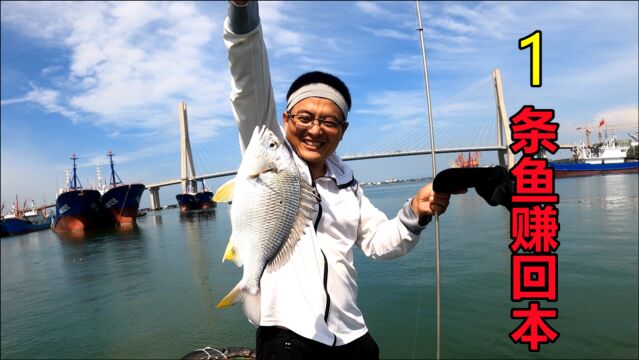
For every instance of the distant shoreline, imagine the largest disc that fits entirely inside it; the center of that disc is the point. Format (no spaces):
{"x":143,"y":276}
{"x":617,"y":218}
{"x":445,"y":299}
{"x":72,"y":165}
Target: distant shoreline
{"x":393,"y":181}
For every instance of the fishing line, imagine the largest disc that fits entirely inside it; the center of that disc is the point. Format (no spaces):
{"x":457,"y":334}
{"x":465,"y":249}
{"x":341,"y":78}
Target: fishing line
{"x":434,"y":168}
{"x":248,"y":21}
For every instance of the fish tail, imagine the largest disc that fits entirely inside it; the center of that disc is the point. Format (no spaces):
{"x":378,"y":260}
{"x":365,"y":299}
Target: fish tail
{"x":236,"y":295}
{"x":250,"y":299}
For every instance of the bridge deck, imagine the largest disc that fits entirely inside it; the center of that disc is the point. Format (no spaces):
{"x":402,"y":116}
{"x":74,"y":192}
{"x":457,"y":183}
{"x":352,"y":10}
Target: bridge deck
{"x":355,"y":157}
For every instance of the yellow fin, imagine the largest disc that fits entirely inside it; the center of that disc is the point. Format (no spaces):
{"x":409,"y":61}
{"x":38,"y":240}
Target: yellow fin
{"x":231,"y":298}
{"x":231,"y":253}
{"x":225,"y":192}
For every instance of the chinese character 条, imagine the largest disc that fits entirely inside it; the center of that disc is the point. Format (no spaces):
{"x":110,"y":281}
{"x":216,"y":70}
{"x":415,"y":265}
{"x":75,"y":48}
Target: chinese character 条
{"x":531,"y":128}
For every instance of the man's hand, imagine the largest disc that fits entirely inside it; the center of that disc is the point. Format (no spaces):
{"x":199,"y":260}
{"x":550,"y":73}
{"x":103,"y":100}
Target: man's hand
{"x":427,"y":202}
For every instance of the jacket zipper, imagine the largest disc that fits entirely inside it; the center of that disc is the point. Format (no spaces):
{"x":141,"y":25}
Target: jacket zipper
{"x":325,"y":282}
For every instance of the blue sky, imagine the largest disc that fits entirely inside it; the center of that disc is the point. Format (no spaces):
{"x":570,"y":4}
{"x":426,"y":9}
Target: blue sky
{"x":89,"y":77}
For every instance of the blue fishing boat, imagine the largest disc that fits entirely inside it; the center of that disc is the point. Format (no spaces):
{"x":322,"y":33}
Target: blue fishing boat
{"x":121,"y":201}
{"x":204,"y":198}
{"x":609,"y":157}
{"x":76,"y":208}
{"x":196,"y":200}
{"x":20,"y":221}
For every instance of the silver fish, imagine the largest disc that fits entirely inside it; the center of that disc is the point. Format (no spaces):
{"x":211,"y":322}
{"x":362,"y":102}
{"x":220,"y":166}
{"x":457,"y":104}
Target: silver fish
{"x":272,"y":205}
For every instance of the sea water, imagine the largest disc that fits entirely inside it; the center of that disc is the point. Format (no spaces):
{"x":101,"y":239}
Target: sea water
{"x":151,"y":292}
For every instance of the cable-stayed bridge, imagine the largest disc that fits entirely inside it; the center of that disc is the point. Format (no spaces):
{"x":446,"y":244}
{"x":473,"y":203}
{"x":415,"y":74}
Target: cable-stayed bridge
{"x":475,"y":119}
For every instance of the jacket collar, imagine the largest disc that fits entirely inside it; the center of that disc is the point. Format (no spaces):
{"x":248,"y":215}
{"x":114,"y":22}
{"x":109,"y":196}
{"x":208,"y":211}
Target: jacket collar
{"x":338,"y":171}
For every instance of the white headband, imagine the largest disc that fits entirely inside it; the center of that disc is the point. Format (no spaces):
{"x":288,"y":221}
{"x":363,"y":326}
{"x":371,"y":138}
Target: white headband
{"x":318,"y":90}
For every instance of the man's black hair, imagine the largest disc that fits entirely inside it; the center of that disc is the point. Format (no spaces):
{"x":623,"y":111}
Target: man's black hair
{"x":314,"y":77}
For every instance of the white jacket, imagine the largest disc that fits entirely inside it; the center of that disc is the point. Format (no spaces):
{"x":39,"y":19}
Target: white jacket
{"x":315,"y":293}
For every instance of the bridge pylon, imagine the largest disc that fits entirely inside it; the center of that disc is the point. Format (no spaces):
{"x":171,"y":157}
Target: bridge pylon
{"x":187,"y":173}
{"x":155,"y":197}
{"x":506,"y":157}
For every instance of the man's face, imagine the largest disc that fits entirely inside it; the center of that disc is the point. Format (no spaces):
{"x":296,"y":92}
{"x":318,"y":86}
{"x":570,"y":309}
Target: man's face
{"x":316,"y":143}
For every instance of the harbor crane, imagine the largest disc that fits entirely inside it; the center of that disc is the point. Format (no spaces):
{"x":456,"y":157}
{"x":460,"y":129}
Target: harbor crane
{"x":588,"y":132}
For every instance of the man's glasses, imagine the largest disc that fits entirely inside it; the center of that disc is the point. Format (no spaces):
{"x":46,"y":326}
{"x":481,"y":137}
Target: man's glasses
{"x":305,"y":121}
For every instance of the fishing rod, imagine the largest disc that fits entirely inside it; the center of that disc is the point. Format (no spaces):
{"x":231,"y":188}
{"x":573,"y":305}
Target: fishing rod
{"x":434,"y":168}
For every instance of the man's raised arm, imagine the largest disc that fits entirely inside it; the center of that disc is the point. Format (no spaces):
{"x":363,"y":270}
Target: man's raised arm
{"x":251,"y":89}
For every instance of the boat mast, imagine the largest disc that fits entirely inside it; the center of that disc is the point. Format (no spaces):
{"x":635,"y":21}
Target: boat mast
{"x":98,"y":176}
{"x":113,"y":174}
{"x":434,"y":169}
{"x":75,"y":175}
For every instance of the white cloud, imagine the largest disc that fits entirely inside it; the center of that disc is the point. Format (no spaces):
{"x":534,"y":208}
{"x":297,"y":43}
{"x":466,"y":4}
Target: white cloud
{"x":130,"y":61}
{"x":371,"y":8}
{"x":90,"y":160}
{"x":389,"y":33}
{"x":621,"y":119}
{"x":47,"y":98}
{"x":612,"y":67}
{"x":394,"y":105}
{"x":453,"y":25}
{"x":405,"y":62}
{"x":18,"y":100}
{"x":490,"y":19}
{"x":388,"y":14}
{"x":47,"y":21}
{"x":51,"y":69}
{"x":279,"y":37}
{"x":206,"y":129}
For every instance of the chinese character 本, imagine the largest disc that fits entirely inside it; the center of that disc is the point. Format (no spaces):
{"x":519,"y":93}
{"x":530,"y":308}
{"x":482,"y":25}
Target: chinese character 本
{"x":534,"y":330}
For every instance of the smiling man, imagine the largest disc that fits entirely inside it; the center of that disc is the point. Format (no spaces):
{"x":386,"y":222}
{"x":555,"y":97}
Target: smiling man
{"x":308,"y":307}
{"x":321,"y":98}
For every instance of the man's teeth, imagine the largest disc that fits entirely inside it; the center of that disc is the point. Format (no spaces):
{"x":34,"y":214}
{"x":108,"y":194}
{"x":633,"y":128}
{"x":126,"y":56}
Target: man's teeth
{"x":312,"y":143}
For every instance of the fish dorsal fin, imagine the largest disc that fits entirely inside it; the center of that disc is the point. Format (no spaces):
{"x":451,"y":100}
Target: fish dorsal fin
{"x":225,"y":192}
{"x":308,"y":199}
{"x":231,"y":253}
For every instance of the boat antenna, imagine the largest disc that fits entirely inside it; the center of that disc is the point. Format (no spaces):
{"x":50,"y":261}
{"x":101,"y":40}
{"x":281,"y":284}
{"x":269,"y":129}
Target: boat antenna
{"x":113,"y":173}
{"x":434,"y":168}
